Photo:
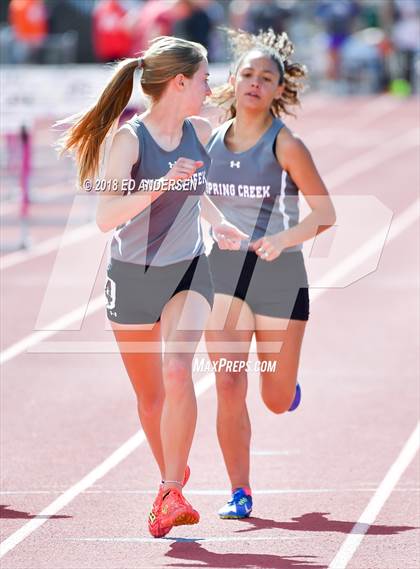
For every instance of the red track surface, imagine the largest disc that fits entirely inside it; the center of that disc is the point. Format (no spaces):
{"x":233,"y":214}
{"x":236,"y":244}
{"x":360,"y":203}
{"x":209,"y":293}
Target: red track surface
{"x":313,"y":472}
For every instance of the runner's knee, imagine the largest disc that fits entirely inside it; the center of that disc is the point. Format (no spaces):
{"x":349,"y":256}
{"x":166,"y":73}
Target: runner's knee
{"x":176,"y":373}
{"x":278,"y":397}
{"x":230,"y":386}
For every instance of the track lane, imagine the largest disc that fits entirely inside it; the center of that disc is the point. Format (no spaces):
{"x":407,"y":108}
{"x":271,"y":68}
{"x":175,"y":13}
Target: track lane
{"x":364,"y":379}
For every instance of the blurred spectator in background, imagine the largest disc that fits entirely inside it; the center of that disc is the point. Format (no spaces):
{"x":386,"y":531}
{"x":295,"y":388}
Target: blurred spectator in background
{"x":266,"y":14}
{"x":338,"y":19}
{"x":406,"y":37}
{"x":194,"y":20}
{"x":365,"y":54}
{"x":364,"y":61}
{"x":238,"y":13}
{"x":195,"y":24}
{"x":72,"y":20}
{"x":216,"y":13}
{"x":28,"y":20}
{"x":351,"y":46}
{"x":111,"y":37}
{"x":154,"y":18}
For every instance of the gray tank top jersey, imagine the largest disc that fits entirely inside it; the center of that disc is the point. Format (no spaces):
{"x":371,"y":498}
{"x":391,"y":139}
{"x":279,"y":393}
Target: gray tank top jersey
{"x":169,"y":230}
{"x":251,"y":188}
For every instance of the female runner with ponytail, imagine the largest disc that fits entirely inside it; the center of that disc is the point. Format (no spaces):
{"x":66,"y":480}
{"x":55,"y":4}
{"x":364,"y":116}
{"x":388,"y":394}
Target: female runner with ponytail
{"x":258,"y":169}
{"x":159,"y":288}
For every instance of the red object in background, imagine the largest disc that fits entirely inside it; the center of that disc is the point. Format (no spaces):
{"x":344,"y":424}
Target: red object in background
{"x":28,"y":19}
{"x":156,"y":18}
{"x":111,"y":39}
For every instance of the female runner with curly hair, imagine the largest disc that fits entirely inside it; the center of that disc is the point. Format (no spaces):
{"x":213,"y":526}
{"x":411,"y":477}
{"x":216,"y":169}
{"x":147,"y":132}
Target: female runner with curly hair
{"x":258,"y":169}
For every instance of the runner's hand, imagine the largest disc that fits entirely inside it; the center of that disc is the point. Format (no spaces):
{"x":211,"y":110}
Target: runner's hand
{"x":183,"y":169}
{"x":269,"y":248}
{"x":228,"y":236}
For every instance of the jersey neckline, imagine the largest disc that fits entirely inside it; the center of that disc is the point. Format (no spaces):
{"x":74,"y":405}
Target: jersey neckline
{"x":274,"y":122}
{"x":184,"y":130}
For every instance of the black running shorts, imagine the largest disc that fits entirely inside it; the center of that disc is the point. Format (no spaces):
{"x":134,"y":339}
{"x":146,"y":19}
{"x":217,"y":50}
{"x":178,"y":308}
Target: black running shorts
{"x":137,"y":294}
{"x":276,"y":288}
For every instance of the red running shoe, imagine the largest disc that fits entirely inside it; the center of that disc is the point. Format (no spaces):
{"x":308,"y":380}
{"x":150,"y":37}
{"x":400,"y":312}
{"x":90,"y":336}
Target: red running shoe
{"x":175,"y":510}
{"x":155,"y":527}
{"x":153,"y":521}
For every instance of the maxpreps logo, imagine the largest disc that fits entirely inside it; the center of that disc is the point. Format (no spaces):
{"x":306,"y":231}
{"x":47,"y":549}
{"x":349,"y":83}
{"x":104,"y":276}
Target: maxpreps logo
{"x":203,"y":365}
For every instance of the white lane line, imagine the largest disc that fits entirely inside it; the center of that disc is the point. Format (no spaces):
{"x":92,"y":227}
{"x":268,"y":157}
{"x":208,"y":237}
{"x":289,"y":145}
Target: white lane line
{"x":370,"y":113}
{"x":274,"y":452}
{"x":369,"y":160}
{"x":384,"y":490}
{"x":93,"y":476}
{"x":375,"y":243}
{"x":48,"y":245}
{"x":183,"y":539}
{"x":60,"y":324}
{"x":207,"y":492}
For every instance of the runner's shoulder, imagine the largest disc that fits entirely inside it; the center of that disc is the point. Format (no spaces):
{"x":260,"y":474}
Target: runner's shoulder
{"x":289,"y":146}
{"x":202,"y":128}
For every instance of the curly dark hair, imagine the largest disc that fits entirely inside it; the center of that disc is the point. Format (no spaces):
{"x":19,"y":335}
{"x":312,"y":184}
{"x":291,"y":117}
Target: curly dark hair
{"x":279,"y":48}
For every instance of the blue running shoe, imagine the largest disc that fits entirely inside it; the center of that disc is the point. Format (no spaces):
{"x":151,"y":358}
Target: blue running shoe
{"x":296,"y":401}
{"x":240,"y":506}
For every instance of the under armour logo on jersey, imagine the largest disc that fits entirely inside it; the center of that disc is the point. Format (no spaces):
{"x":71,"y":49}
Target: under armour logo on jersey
{"x":234,"y":164}
{"x":171,"y":164}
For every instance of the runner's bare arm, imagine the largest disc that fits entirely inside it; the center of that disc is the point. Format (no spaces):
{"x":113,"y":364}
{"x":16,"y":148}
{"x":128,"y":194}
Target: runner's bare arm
{"x":114,"y":207}
{"x":296,"y":159}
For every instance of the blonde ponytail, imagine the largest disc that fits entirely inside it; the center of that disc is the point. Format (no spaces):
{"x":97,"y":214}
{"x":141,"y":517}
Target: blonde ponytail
{"x":89,"y":130}
{"x":166,"y":57}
